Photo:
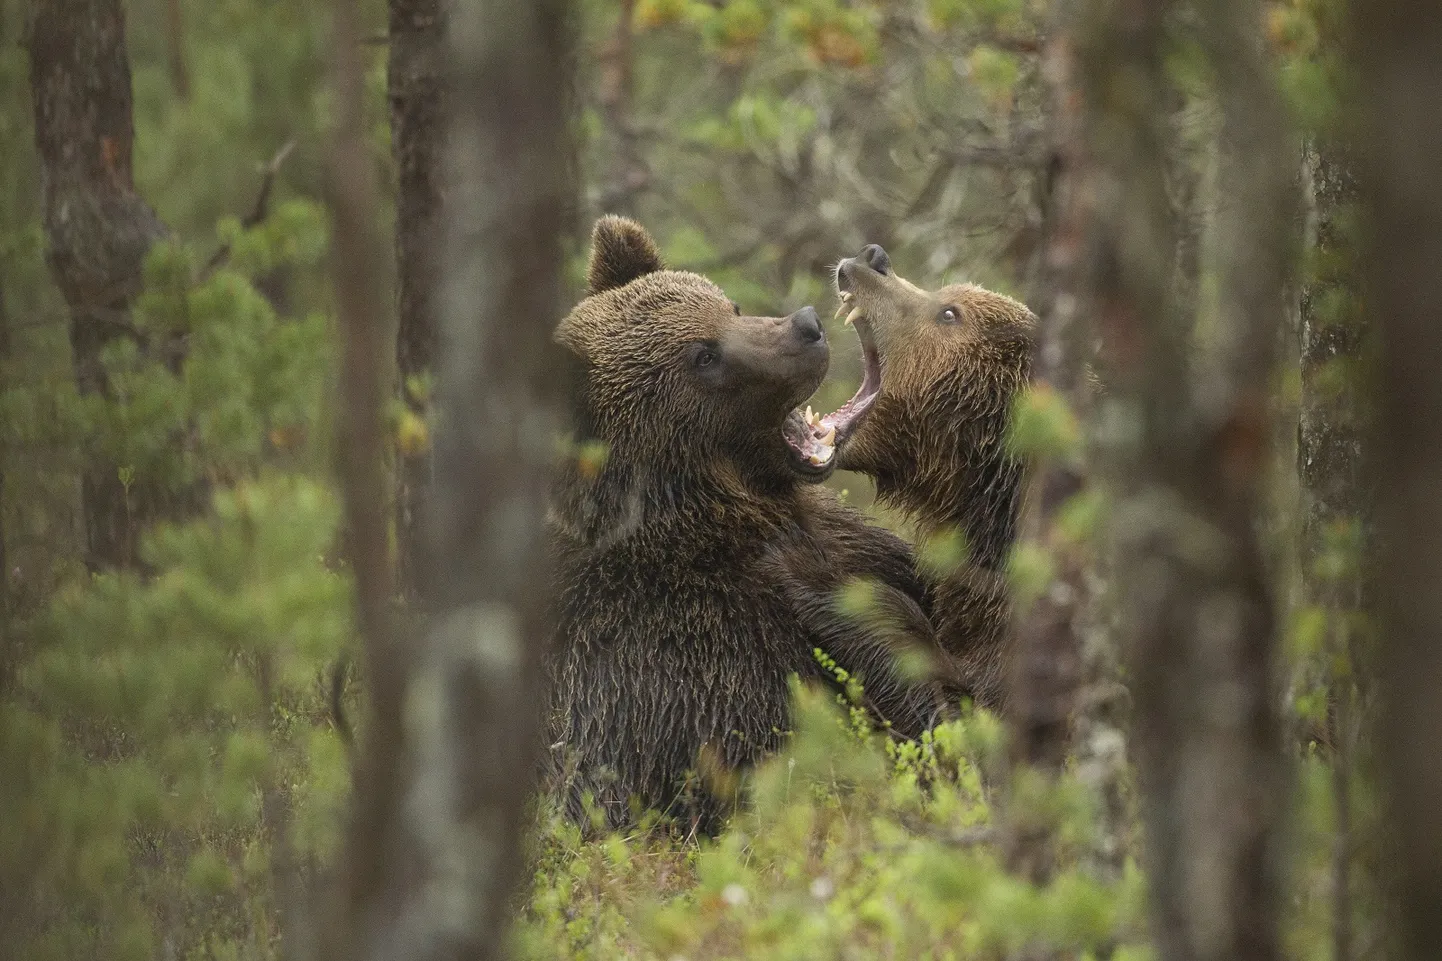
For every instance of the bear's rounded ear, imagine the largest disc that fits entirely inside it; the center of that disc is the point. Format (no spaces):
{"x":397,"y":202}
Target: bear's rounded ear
{"x":621,"y":251}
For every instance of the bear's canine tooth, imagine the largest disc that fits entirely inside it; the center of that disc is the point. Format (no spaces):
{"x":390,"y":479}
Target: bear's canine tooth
{"x":852,"y":317}
{"x":829,"y":438}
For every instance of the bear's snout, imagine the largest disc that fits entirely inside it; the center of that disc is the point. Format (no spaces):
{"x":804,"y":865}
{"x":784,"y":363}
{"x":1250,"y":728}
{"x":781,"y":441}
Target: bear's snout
{"x":875,"y":257}
{"x":807,"y":325}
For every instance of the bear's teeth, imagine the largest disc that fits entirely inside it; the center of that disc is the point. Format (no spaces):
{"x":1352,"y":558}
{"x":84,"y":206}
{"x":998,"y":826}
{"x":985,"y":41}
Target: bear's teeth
{"x":840,"y":310}
{"x":846,"y":296}
{"x":829,"y":438}
{"x":810,"y":416}
{"x":852,"y":317}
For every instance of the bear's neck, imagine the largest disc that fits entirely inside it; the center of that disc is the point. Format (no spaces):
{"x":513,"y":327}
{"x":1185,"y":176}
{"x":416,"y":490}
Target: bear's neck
{"x":630,"y":500}
{"x":964,"y":478}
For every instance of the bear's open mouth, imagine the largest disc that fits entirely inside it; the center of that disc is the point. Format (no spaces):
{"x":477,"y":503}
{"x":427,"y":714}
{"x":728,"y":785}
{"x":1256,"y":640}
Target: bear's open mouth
{"x":814,"y":438}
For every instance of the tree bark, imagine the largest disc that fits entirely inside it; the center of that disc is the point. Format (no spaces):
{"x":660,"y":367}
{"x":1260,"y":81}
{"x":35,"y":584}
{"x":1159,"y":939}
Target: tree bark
{"x":476,"y":695}
{"x":7,"y":667}
{"x":1336,"y":520}
{"x":357,"y":261}
{"x":417,"y":105}
{"x":98,"y":229}
{"x":1400,"y":79}
{"x":175,"y":47}
{"x":628,"y":175}
{"x":503,"y":402}
{"x":1186,"y":458}
{"x":1331,"y":423}
{"x":1046,"y":669}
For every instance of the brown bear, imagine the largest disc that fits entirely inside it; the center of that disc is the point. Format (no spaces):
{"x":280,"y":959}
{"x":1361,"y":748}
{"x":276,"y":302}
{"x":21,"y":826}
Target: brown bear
{"x":697,"y":559}
{"x":950,"y":364}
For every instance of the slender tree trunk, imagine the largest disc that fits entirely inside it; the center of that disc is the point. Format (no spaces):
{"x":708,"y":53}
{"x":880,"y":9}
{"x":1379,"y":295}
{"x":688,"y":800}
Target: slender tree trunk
{"x":1396,"y":46}
{"x":357,"y":257}
{"x":502,"y":399}
{"x":1331,"y":423}
{"x":1187,"y":461}
{"x":417,"y":124}
{"x":1330,"y":465}
{"x":175,"y":47}
{"x":1047,"y":665}
{"x":629,"y":174}
{"x":467,"y":772}
{"x":97,"y":228}
{"x":7,"y":667}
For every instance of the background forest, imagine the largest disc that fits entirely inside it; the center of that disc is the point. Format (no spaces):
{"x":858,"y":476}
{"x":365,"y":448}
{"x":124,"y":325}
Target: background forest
{"x":220,"y":226}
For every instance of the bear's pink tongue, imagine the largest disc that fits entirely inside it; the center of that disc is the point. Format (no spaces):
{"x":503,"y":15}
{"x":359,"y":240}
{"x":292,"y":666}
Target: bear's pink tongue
{"x":844,"y":420}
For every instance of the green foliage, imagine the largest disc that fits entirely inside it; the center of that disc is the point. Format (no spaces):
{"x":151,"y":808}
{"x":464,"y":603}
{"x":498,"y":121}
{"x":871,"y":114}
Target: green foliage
{"x":995,"y":73}
{"x":175,"y":769}
{"x":1043,"y":425}
{"x":852,"y":845}
{"x":173,"y":779}
{"x":179,"y":740}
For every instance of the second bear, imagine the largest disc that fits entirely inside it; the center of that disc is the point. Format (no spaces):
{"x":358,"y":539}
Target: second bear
{"x":950,"y":364}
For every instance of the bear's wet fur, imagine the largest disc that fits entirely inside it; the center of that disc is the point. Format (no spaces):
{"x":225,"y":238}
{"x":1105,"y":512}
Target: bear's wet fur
{"x":697,"y":559}
{"x":952,"y":362}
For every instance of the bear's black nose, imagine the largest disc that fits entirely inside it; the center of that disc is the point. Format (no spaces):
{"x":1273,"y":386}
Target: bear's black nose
{"x":875,"y":257}
{"x":807,"y":324}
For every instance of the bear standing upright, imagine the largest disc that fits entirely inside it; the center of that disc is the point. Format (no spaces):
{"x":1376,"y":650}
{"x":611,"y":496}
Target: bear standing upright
{"x":952,"y":362}
{"x":697,"y":559}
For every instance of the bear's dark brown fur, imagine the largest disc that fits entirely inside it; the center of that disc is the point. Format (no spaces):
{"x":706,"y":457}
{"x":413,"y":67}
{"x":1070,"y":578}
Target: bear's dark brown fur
{"x":698,"y":560}
{"x":951,"y":364}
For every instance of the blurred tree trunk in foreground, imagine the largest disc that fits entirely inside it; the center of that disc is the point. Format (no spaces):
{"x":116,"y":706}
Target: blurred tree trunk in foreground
{"x":628,"y":174}
{"x":97,"y":228}
{"x":417,"y":33}
{"x":1397,"y":43}
{"x":1187,"y":451}
{"x":502,"y":403}
{"x":1331,"y":425}
{"x":1336,"y":521}
{"x":1046,"y":664}
{"x":476,"y":692}
{"x":1336,"y":347}
{"x":6,"y":644}
{"x":357,"y":262}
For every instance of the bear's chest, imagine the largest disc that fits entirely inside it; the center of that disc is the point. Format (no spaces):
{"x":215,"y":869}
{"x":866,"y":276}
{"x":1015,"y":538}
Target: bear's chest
{"x":718,"y":607}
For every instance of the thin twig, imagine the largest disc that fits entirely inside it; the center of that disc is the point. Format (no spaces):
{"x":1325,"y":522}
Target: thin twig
{"x":258,"y":212}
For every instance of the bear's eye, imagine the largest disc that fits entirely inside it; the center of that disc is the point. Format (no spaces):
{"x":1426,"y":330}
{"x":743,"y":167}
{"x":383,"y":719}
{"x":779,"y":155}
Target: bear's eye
{"x":705,"y":357}
{"x":949,"y":315}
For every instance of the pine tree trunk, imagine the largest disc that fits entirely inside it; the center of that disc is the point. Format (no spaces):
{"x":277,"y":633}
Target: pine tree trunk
{"x":6,"y":645}
{"x":357,"y":258}
{"x":1186,"y":458}
{"x":1396,"y":45}
{"x":1336,"y":503}
{"x":417,"y":126}
{"x":440,"y":811}
{"x":1331,"y":424}
{"x":503,"y":403}
{"x":1046,"y":666}
{"x":98,"y":229}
